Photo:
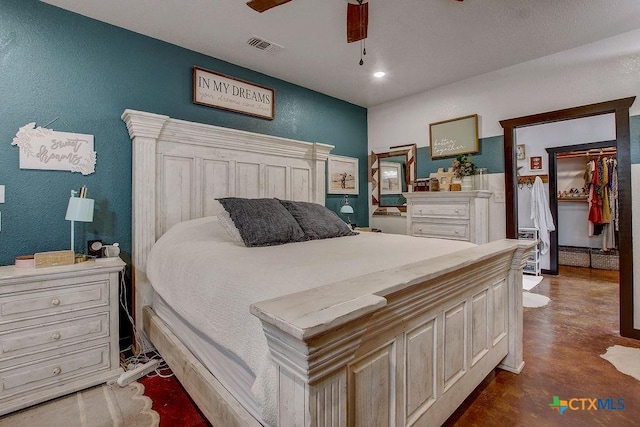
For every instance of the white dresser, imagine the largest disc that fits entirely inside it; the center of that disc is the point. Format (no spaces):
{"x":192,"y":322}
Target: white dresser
{"x":456,"y":215}
{"x":58,"y":330}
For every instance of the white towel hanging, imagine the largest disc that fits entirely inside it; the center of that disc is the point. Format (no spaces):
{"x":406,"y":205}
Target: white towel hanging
{"x":541,"y":214}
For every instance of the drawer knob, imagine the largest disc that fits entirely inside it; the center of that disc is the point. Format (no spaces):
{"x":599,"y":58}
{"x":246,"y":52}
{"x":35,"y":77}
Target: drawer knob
{"x":457,"y":232}
{"x":56,"y":336}
{"x":55,"y":302}
{"x":457,"y":211}
{"x":57,"y":371}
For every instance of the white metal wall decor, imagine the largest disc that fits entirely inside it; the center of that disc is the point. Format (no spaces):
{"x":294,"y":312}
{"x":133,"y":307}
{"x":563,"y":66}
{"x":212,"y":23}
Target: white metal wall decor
{"x":42,"y":148}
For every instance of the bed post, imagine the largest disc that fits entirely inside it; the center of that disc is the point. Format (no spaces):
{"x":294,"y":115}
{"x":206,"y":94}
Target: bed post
{"x":320,"y":156}
{"x":312,"y":374}
{"x":514,"y":361}
{"x":144,"y":130}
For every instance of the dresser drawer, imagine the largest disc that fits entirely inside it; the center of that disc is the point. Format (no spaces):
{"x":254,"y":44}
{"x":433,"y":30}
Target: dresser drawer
{"x":28,"y":378}
{"x":457,"y":210}
{"x":441,"y":230}
{"x":24,"y":305}
{"x":34,"y":339}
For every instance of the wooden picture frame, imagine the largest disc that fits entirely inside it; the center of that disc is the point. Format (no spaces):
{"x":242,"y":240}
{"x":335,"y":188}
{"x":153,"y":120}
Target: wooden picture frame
{"x":452,"y":137}
{"x":342,"y":175}
{"x":228,"y":93}
{"x":521,"y":152}
{"x":535,"y":163}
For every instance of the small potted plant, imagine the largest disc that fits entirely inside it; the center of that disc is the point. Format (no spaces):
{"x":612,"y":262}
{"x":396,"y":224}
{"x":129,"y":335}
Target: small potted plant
{"x":463,"y":168}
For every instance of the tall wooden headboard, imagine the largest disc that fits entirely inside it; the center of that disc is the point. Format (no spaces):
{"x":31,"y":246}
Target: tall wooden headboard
{"x":180,"y":167}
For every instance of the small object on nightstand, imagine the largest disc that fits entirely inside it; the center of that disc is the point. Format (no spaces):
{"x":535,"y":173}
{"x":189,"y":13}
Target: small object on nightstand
{"x":54,"y":258}
{"x":368,"y":230}
{"x":94,"y":248}
{"x":25,"y":261}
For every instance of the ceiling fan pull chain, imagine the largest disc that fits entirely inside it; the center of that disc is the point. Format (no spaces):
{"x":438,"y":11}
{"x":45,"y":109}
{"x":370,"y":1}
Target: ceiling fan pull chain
{"x":364,"y":46}
{"x":361,"y":61}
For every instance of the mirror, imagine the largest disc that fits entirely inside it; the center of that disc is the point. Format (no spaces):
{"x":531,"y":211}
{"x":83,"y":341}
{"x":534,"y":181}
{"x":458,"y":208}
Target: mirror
{"x":394,"y":172}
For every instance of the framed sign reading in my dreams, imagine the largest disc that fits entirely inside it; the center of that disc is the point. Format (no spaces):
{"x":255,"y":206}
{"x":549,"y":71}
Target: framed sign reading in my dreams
{"x":217,"y":90}
{"x":452,"y":137}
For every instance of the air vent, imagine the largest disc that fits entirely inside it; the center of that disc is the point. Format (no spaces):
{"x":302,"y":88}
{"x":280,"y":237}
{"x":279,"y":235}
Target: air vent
{"x":264,"y":45}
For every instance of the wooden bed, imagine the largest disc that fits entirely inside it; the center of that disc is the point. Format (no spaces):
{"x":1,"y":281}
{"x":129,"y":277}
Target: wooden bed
{"x":400,"y":347}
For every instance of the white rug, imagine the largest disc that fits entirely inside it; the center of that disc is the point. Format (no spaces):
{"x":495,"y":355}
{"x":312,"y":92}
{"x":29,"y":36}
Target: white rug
{"x":534,"y":300}
{"x":530,"y":282}
{"x":625,"y":359}
{"x":101,"y":406}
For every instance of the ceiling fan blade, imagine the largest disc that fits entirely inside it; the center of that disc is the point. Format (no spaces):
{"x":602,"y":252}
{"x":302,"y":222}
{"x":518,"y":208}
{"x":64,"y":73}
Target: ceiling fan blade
{"x":262,"y":5}
{"x":357,"y":21}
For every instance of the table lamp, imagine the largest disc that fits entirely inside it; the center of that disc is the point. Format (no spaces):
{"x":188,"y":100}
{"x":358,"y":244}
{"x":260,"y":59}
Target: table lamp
{"x":346,"y":208}
{"x":79,"y":209}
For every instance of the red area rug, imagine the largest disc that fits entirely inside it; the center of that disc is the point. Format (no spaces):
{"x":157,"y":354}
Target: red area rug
{"x":172,"y":402}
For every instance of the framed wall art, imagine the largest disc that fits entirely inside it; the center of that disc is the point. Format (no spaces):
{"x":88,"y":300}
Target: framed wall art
{"x":452,"y":137}
{"x":535,"y":163}
{"x":390,"y":178}
{"x":342,"y":175}
{"x":220,"y":91}
{"x":520,"y":152}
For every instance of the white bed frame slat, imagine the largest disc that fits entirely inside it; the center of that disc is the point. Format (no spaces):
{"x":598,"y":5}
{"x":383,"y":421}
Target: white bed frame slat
{"x":400,"y":347}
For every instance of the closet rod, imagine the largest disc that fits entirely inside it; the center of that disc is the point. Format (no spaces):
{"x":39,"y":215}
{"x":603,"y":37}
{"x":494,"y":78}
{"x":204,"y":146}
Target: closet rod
{"x":609,"y":151}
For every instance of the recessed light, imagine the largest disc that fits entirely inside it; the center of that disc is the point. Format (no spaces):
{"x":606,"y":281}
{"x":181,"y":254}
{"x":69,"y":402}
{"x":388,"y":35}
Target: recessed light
{"x":379,"y":74}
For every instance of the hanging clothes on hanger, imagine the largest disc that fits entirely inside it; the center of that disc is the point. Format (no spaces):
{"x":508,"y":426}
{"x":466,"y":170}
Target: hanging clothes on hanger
{"x":541,"y":214}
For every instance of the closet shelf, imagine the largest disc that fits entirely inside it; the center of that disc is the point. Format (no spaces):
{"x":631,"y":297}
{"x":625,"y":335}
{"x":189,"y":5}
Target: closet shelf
{"x":573,"y":199}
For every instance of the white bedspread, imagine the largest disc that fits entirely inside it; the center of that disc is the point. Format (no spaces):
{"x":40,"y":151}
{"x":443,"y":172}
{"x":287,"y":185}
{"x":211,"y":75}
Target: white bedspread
{"x":211,"y":281}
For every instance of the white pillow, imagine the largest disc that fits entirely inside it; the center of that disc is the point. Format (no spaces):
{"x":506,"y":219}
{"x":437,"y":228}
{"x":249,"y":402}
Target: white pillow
{"x":227,"y":223}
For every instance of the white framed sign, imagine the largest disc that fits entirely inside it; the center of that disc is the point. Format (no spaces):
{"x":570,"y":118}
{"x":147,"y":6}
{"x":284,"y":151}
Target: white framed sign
{"x":46,"y":149}
{"x":219,"y":91}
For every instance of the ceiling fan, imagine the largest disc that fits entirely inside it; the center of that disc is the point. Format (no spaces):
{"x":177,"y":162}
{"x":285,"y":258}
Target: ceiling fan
{"x":357,"y":18}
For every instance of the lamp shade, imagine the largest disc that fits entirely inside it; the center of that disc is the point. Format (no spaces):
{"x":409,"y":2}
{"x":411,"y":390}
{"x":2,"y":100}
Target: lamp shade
{"x":346,"y":209}
{"x":79,"y":209}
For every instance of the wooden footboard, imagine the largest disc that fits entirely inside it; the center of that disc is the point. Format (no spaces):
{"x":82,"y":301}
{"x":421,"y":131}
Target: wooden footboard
{"x":400,"y":347}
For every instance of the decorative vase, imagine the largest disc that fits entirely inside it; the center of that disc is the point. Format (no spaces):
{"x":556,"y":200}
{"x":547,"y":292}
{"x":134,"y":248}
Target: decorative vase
{"x":467,"y":183}
{"x":481,"y":179}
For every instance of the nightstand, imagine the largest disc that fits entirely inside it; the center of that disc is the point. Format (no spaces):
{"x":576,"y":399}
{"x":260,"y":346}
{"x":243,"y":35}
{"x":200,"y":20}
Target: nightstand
{"x":58,"y":330}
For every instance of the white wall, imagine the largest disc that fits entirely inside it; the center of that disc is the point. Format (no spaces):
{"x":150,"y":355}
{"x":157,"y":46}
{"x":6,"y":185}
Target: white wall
{"x":601,"y":71}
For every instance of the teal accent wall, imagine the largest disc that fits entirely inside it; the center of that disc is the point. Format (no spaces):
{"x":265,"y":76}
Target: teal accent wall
{"x":490,"y":156}
{"x":55,"y":64}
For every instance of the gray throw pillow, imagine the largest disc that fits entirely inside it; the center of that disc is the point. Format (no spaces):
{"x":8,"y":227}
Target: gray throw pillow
{"x":317,"y":221}
{"x":262,"y":222}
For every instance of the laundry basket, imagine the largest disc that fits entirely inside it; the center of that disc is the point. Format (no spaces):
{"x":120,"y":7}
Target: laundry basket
{"x":605,"y":260}
{"x":574,"y":256}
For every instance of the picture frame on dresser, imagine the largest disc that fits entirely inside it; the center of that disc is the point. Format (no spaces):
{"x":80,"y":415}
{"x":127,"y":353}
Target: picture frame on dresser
{"x":342,"y":175}
{"x":391,"y":175}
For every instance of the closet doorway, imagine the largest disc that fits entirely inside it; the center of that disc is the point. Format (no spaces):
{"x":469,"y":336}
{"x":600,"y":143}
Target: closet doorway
{"x":621,"y":109}
{"x":569,"y":197}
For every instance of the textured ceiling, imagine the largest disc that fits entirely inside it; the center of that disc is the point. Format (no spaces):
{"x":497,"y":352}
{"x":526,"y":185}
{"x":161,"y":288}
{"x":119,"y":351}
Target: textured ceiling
{"x":421,"y":44}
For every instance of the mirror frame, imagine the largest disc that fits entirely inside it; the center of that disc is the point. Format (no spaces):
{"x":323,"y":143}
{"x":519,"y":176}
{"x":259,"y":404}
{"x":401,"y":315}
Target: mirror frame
{"x":410,"y":151}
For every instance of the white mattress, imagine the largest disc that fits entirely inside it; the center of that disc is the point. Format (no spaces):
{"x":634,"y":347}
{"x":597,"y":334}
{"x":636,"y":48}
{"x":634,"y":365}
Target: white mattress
{"x":210,"y":282}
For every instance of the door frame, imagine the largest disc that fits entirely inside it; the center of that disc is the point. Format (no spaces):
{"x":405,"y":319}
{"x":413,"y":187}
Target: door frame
{"x":621,"y":109}
{"x":553,"y":192}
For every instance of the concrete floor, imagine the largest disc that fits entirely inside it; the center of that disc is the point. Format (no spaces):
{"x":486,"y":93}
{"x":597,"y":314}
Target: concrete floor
{"x":562,"y":346}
